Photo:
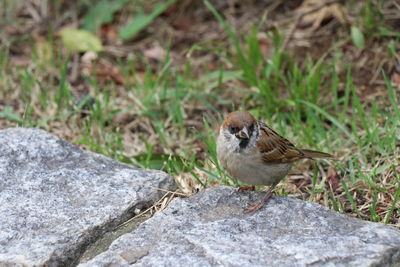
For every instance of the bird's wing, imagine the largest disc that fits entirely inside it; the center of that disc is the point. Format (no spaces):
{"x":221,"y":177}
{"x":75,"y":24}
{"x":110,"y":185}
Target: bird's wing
{"x":275,"y":148}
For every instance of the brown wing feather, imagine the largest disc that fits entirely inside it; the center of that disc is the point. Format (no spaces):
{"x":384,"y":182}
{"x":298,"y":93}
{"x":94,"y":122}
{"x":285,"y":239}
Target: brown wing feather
{"x":275,"y":148}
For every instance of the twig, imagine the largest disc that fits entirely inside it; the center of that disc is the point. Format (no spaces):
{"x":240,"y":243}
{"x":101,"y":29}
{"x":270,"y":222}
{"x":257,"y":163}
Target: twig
{"x":74,"y":68}
{"x":299,"y":17}
{"x":169,"y":194}
{"x":287,"y":20}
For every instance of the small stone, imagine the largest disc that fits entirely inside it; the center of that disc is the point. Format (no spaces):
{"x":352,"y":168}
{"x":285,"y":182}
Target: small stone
{"x":137,"y":211}
{"x":133,"y":255}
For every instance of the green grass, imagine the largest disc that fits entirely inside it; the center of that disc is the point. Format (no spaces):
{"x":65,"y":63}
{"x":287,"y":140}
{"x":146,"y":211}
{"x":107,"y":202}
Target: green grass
{"x":164,"y":117}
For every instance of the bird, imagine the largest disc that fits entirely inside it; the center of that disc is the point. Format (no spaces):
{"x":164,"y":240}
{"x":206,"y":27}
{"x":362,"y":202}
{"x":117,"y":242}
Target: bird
{"x":254,"y":153}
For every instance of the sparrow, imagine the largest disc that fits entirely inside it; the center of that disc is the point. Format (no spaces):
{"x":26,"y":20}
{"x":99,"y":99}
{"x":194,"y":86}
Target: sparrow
{"x":255,"y":154}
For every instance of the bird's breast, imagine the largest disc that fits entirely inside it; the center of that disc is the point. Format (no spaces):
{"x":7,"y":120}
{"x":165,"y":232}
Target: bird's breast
{"x":250,"y":169}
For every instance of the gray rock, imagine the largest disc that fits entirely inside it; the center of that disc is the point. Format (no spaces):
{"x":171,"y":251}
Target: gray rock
{"x":211,"y":229}
{"x":56,"y":199}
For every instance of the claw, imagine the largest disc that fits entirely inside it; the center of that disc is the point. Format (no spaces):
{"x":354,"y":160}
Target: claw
{"x":258,"y":205}
{"x":247,"y":188}
{"x":254,"y":207}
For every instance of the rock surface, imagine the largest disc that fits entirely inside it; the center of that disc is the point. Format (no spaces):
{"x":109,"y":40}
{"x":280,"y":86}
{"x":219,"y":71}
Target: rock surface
{"x":56,"y":199}
{"x":211,"y":229}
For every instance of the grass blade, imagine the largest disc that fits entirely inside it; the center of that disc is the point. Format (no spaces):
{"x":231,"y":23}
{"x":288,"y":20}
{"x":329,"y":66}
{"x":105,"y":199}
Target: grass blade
{"x":329,"y":117}
{"x":395,"y":199}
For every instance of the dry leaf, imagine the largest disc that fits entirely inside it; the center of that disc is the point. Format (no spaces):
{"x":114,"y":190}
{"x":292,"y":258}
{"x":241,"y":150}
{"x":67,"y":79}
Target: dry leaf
{"x":182,"y":23}
{"x":333,"y":178}
{"x":157,"y":53}
{"x":19,"y":61}
{"x":396,"y":75}
{"x":315,"y":19}
{"x":108,"y":32}
{"x":104,"y":70}
{"x":113,"y":72}
{"x":265,"y":45}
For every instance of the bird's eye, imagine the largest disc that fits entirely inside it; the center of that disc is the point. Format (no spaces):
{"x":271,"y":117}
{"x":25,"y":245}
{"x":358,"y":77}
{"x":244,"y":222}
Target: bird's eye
{"x":233,"y":129}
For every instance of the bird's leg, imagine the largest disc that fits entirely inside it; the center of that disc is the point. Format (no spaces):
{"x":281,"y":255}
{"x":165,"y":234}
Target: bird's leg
{"x":258,"y":205}
{"x":247,"y":188}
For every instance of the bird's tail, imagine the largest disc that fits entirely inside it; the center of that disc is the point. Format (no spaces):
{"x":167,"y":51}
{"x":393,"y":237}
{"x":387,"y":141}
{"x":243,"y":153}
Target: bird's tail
{"x":315,"y":154}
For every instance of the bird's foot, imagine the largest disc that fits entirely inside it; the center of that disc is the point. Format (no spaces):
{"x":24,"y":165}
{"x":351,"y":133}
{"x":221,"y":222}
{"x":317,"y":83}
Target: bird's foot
{"x":247,"y":188}
{"x":254,"y":207}
{"x":258,"y":205}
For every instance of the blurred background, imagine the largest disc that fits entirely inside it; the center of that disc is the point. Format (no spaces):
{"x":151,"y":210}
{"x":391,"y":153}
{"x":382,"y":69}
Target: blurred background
{"x":147,"y":82}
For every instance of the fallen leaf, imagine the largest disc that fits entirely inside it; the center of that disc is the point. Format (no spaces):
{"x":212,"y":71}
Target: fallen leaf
{"x":112,"y":72}
{"x":104,"y":71}
{"x":265,"y":45}
{"x":357,"y":37}
{"x":158,"y":149}
{"x":182,"y":23}
{"x":108,"y":32}
{"x":156,"y":53}
{"x":396,"y":75}
{"x":19,"y":61}
{"x":212,"y":66}
{"x":89,"y":57}
{"x":80,"y":40}
{"x":315,"y":18}
{"x":333,"y":178}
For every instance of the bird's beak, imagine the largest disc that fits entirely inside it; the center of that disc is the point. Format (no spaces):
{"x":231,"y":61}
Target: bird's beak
{"x":243,"y":134}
